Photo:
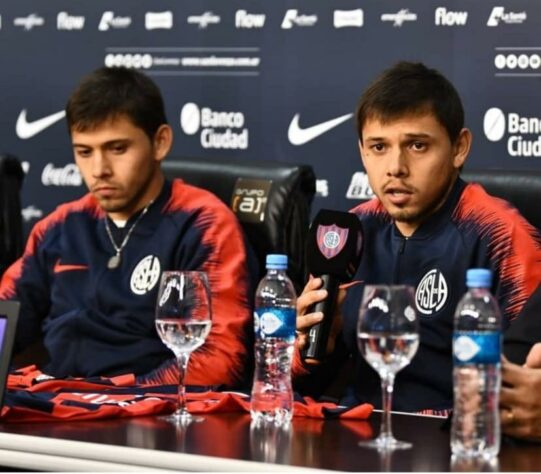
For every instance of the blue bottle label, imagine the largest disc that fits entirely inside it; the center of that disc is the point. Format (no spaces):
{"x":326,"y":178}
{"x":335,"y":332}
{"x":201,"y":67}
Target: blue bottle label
{"x":470,"y":347}
{"x":275,"y":322}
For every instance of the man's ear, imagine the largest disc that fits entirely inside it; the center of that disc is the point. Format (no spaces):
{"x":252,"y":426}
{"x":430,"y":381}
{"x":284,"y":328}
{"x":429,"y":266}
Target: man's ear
{"x":461,"y":148}
{"x":163,"y":141}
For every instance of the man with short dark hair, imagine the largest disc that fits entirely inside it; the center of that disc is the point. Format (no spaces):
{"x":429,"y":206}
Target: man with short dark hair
{"x":89,"y":276}
{"x":425,"y":229}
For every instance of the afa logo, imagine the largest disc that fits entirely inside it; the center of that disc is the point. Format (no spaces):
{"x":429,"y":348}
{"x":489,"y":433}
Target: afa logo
{"x":432,"y":292}
{"x":145,"y":275}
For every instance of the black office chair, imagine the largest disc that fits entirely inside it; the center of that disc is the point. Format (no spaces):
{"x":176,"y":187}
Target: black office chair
{"x":11,"y":228}
{"x":272,"y":200}
{"x":520,"y":188}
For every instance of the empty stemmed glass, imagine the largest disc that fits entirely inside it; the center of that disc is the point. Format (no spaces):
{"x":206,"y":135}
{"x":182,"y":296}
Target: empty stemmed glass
{"x":183,"y":321}
{"x":388,"y":338}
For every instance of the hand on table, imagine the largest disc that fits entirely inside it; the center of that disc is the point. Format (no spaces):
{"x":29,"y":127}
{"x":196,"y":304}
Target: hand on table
{"x":520,"y":398}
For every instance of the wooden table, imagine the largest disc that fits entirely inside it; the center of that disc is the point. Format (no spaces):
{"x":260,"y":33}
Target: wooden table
{"x":227,"y":442}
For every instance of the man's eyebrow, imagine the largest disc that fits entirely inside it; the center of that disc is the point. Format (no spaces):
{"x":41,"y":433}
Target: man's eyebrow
{"x":374,"y":139}
{"x":107,"y":143}
{"x":407,"y":135}
{"x":418,"y":135}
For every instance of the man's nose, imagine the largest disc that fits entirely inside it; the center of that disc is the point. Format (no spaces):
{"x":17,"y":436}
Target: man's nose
{"x":101,"y":165}
{"x":397,"y":164}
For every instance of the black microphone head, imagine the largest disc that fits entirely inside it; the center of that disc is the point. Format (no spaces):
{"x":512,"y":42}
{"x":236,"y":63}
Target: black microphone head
{"x":334,"y":244}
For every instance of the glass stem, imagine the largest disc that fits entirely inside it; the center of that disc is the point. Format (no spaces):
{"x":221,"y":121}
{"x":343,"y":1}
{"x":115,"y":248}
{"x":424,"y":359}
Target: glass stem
{"x":387,"y":384}
{"x":182,"y":362}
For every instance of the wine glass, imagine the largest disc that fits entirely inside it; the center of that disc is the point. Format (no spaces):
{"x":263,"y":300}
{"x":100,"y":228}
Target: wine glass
{"x":183,"y":320}
{"x":388,"y":338}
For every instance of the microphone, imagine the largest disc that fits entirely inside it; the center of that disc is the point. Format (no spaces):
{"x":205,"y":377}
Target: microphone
{"x":333,"y":253}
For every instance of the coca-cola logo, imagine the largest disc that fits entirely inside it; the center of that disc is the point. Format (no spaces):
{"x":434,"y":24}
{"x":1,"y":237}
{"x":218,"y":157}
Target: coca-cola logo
{"x":63,"y":176}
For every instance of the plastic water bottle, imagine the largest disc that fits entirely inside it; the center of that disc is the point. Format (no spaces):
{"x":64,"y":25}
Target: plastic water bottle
{"x":477,"y":345}
{"x":275,"y":314}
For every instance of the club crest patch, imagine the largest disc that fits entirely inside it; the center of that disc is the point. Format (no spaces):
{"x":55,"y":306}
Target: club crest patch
{"x":145,"y":275}
{"x":331,"y":239}
{"x":432,"y":292}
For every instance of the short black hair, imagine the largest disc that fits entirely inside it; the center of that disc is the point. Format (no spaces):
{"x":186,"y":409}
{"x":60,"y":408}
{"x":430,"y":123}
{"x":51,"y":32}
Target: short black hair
{"x":409,"y":87}
{"x":110,"y":92}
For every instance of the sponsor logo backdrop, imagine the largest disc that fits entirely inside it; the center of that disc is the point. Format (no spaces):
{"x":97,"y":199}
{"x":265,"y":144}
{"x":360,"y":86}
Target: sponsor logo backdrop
{"x":266,"y":80}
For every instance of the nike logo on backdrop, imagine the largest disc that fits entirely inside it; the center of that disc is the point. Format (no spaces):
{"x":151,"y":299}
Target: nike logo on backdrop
{"x":26,"y":129}
{"x":300,"y":136}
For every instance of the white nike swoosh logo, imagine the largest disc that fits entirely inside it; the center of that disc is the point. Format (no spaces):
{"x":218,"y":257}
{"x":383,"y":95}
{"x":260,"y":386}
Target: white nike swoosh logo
{"x":25,"y":129}
{"x":300,"y":136}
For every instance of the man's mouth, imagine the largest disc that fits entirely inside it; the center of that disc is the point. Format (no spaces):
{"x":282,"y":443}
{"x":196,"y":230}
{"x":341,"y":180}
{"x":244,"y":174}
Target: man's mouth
{"x":398,"y":195}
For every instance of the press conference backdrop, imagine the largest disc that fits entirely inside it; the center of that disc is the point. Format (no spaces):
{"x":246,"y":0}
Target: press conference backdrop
{"x":272,"y":80}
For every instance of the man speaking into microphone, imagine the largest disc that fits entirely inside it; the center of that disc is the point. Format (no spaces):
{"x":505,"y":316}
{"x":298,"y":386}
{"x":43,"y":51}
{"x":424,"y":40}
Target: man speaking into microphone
{"x":425,"y":228}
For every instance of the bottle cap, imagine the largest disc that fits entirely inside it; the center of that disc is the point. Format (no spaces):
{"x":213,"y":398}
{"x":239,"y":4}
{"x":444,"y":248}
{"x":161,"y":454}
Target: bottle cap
{"x":276,"y":261}
{"x":478,"y":278}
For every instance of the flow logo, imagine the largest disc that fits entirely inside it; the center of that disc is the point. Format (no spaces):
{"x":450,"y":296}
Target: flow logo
{"x":65,"y":21}
{"x":300,"y":136}
{"x":444,"y":17}
{"x":243,"y":19}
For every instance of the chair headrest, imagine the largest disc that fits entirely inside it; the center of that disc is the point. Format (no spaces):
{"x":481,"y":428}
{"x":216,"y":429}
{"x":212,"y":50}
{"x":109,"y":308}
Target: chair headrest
{"x":520,"y":188}
{"x":271,"y":199}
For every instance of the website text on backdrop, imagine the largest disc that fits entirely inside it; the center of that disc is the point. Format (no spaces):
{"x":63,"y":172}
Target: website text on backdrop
{"x":425,"y":228}
{"x":88,"y":278}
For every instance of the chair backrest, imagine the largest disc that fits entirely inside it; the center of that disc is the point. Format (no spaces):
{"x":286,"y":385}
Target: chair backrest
{"x":272,"y":201}
{"x":520,"y":188}
{"x":11,"y":227}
